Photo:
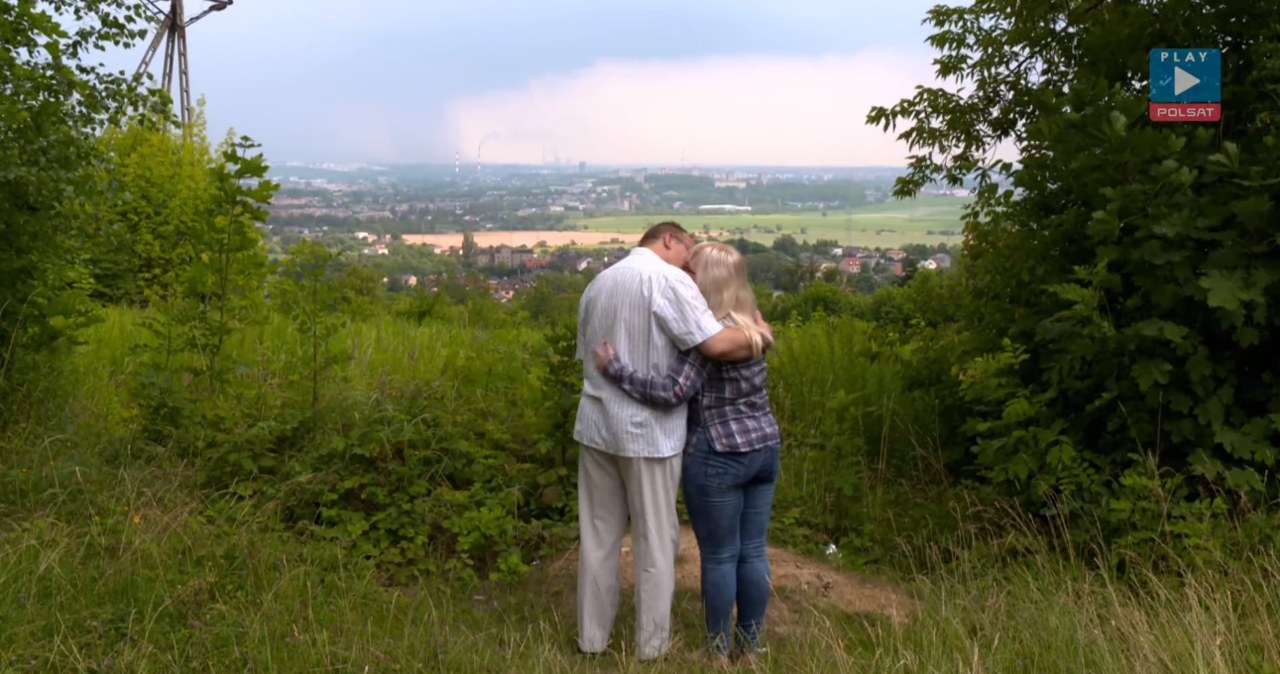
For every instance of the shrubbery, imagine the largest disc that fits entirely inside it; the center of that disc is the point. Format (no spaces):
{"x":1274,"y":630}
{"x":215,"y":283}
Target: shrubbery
{"x":1119,"y":277}
{"x":1102,"y":357}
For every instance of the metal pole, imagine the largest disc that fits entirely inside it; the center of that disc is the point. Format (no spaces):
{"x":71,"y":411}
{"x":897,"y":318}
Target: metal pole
{"x":184,"y":81}
{"x":166,"y":80}
{"x":173,"y":30}
{"x":161,"y":31}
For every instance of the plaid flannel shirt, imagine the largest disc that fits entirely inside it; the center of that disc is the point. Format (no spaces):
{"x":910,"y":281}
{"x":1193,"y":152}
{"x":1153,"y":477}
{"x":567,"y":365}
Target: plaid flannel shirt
{"x":729,"y":400}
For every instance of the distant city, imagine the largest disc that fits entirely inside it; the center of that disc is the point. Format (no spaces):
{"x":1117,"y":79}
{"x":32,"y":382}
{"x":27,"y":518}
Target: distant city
{"x":511,"y":223}
{"x":438,"y":198}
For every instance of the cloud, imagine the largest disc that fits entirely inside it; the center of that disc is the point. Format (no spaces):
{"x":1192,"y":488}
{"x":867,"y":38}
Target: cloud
{"x":731,"y":110}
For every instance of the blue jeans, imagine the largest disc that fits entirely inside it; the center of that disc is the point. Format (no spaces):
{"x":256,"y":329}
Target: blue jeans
{"x":729,"y":497}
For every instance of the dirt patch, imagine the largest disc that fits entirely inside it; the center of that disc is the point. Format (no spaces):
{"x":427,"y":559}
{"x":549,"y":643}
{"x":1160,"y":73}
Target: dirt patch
{"x":797,"y":582}
{"x":525,"y":238}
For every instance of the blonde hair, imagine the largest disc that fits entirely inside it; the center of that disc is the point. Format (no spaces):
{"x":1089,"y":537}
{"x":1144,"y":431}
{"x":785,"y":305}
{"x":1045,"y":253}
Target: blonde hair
{"x":721,"y":274}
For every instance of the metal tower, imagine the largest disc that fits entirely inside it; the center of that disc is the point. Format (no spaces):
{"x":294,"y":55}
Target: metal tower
{"x":173,"y":30}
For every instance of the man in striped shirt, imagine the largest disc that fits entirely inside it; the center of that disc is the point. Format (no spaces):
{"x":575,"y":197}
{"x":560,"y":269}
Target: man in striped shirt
{"x":630,"y":456}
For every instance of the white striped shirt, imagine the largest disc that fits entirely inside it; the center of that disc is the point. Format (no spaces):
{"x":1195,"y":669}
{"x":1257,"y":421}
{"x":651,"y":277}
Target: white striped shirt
{"x":650,"y":310}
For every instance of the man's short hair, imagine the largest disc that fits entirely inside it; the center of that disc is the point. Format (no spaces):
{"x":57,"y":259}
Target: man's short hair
{"x":660,"y":230}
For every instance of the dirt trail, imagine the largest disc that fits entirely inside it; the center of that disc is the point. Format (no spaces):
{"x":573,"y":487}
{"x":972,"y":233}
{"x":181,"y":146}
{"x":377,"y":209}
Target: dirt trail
{"x":797,"y":582}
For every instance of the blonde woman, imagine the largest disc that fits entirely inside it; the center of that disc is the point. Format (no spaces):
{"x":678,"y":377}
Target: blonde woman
{"x":731,"y":462}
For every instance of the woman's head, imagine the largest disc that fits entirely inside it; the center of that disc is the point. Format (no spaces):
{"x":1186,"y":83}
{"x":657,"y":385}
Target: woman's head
{"x":721,"y":274}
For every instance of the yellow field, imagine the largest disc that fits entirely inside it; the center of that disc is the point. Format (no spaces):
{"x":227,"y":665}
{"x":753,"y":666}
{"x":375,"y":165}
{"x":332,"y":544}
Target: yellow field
{"x":926,"y":220}
{"x":530,"y":239}
{"x":555,"y":239}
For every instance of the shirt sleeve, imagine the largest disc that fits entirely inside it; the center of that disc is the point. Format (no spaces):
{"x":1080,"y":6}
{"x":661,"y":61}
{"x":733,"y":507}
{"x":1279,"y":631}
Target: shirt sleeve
{"x":682,"y":312}
{"x":580,"y":348}
{"x":674,"y":388}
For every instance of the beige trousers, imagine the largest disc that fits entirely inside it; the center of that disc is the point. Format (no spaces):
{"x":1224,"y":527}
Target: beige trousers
{"x":611,"y":488}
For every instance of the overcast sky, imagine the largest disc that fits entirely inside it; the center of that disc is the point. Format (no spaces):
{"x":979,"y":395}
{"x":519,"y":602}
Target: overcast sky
{"x":659,"y":82}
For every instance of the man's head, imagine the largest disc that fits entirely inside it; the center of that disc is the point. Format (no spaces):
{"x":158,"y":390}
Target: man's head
{"x":670,"y":241}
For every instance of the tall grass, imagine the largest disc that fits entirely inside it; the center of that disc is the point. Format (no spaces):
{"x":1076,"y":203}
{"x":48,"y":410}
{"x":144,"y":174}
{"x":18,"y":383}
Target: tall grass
{"x":113,"y":559}
{"x":146,"y":578}
{"x":862,"y":456}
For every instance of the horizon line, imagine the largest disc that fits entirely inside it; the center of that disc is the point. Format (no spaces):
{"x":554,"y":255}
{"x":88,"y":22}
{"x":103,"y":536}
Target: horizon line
{"x":574,"y":166}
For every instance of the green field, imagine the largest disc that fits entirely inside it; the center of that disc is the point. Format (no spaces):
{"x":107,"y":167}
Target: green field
{"x":889,"y":224}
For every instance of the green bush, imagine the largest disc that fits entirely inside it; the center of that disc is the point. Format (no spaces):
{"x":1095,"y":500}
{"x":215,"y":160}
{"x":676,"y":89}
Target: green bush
{"x":868,"y":406}
{"x":1121,"y":275}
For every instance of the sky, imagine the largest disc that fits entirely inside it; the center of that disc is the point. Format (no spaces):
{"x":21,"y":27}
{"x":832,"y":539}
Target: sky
{"x":653,"y":83}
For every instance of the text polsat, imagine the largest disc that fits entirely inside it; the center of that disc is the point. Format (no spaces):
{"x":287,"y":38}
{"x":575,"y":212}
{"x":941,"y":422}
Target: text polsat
{"x":1186,"y":112}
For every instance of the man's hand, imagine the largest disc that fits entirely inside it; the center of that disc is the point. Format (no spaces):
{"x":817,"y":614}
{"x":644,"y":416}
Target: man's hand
{"x":602,"y":355}
{"x":732,"y":345}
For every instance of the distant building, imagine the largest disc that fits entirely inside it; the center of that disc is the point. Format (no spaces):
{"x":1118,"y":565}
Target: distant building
{"x":505,"y":256}
{"x":724,"y":208}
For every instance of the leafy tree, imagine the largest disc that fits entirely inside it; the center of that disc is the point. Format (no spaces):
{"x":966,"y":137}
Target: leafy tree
{"x":469,"y":247}
{"x":51,"y":105}
{"x":800,"y":273}
{"x":824,"y":246}
{"x":770,"y":268}
{"x":819,"y":298}
{"x":155,"y":194}
{"x":909,"y":268}
{"x":319,"y":295}
{"x":787,"y":245}
{"x":222,"y":288}
{"x":864,"y":283}
{"x":1122,"y":275}
{"x":747,"y":246}
{"x":405,"y":259}
{"x":553,"y":299}
{"x":832,"y":276}
{"x":922,"y":251}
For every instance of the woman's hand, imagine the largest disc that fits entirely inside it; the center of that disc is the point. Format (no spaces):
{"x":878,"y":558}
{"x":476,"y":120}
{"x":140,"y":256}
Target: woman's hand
{"x":603,"y":354}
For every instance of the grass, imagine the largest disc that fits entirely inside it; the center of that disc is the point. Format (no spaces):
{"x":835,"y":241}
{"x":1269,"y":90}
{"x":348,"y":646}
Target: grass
{"x":140,"y":576}
{"x":112,"y":560}
{"x":889,"y":224}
